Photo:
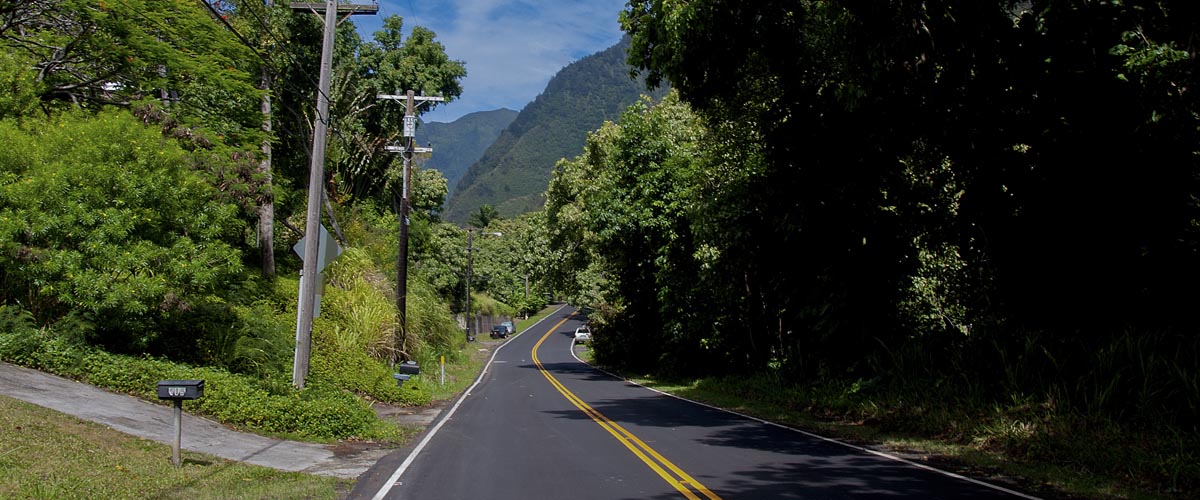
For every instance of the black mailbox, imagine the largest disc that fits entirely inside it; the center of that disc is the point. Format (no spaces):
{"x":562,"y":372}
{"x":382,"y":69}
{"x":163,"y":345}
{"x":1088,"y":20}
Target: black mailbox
{"x":407,"y":370}
{"x":180,"y":389}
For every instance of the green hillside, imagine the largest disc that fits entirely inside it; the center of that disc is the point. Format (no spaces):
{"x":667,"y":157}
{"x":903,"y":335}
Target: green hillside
{"x":458,"y":144}
{"x":513,"y":173}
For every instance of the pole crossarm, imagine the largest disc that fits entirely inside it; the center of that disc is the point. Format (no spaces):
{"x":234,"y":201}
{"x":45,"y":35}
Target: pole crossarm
{"x":420,"y":98}
{"x":402,"y":149}
{"x":342,"y":8}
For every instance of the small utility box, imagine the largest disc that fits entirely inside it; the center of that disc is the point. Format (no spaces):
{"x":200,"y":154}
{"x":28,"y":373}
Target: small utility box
{"x":178,"y":391}
{"x":406,"y":370}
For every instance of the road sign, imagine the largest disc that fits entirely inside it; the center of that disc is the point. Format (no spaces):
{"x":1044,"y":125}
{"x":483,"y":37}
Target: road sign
{"x":327,"y":249}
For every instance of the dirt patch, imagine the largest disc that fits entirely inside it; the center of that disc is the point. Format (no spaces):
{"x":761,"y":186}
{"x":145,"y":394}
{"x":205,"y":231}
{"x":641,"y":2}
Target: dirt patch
{"x":411,"y":416}
{"x":345,"y":449}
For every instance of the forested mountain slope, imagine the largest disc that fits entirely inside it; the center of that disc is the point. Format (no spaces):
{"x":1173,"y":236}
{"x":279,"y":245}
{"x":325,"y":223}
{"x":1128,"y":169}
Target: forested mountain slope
{"x":513,"y":173}
{"x":460,"y":143}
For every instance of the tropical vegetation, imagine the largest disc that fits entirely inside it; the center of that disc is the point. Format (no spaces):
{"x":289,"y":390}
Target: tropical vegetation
{"x":152,"y":186}
{"x":968,"y":220}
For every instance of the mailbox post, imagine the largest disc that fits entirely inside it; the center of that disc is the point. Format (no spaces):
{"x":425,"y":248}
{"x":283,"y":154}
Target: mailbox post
{"x":178,"y":391}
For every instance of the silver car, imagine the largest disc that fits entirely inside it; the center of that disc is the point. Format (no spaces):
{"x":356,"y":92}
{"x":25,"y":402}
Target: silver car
{"x":583,"y":334}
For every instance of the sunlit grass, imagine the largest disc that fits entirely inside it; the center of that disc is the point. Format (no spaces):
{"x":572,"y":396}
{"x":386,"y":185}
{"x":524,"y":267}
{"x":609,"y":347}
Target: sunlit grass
{"x":46,"y":454}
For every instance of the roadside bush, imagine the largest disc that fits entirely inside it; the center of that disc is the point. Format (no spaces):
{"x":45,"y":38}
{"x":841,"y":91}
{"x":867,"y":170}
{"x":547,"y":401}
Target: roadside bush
{"x":19,"y":339}
{"x":432,"y":329}
{"x":320,"y":412}
{"x":260,"y":340}
{"x":113,"y":226}
{"x":357,"y":372}
{"x":353,"y":337}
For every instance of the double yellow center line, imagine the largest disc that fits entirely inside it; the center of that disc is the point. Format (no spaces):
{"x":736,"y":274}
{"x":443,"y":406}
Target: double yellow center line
{"x":673,"y":475}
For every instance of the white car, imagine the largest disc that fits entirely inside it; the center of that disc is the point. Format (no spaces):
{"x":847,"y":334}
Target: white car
{"x":583,"y":334}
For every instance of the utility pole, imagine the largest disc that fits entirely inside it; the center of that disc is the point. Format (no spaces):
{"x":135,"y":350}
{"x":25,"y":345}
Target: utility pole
{"x":470,"y":261}
{"x":467,"y":311}
{"x":402,"y":208}
{"x":316,"y":176}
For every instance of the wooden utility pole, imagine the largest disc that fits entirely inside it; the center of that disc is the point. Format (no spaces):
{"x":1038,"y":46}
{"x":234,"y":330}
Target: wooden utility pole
{"x":470,"y":261}
{"x":316,"y":177}
{"x":467,"y":306}
{"x":402,"y":208}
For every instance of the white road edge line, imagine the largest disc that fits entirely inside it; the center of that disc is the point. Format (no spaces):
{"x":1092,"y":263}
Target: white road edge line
{"x":387,"y":485}
{"x":809,"y":434}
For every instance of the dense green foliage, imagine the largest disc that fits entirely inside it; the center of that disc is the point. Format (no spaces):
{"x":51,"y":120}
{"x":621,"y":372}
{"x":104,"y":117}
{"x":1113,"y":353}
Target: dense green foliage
{"x":1000,"y":169}
{"x":92,"y":54}
{"x":513,"y":172}
{"x":97,"y":219}
{"x":511,"y":268}
{"x":137,"y":160}
{"x":994,"y":198}
{"x":617,"y":223}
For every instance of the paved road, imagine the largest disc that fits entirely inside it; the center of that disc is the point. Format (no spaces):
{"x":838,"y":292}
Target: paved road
{"x":542,"y":424}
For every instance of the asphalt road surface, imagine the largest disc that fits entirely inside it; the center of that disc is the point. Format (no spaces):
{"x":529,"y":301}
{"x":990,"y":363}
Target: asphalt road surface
{"x":540,"y":424}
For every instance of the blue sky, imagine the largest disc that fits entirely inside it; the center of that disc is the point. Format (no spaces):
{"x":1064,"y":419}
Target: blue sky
{"x":511,"y":48}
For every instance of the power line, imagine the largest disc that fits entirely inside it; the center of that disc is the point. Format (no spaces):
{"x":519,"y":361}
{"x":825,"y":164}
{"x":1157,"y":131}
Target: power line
{"x":219,"y":17}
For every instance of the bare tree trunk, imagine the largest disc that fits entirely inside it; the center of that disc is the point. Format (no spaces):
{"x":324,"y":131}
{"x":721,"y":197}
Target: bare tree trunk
{"x":266,"y":209}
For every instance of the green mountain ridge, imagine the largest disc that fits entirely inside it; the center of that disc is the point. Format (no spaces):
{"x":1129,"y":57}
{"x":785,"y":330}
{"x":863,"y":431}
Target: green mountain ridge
{"x":460,"y":143}
{"x":512,"y":175}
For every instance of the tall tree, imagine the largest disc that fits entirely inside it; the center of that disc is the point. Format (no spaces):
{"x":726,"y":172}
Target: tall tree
{"x":620,"y":212}
{"x":389,"y":64}
{"x":483,"y":216}
{"x":258,"y":24}
{"x":932,"y":169}
{"x":90,"y":54}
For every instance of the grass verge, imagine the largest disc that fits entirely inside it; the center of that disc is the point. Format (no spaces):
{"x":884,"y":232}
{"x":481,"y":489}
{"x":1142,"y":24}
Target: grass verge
{"x":46,"y":454}
{"x":1034,"y":448}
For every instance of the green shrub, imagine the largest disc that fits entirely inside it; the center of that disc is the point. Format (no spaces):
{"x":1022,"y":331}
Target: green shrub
{"x":353,"y":338}
{"x":19,"y":339}
{"x":489,"y":306}
{"x":321,"y":412}
{"x":357,"y":372}
{"x":115,"y":226}
{"x":258,"y":341}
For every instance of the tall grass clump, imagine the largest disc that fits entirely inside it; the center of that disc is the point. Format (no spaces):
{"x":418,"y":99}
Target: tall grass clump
{"x":430,"y":328}
{"x":354,"y":338}
{"x":432,"y":331}
{"x":359,"y":305}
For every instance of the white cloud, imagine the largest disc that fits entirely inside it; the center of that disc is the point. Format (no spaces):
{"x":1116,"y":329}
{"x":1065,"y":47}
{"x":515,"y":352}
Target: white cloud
{"x":511,"y":48}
